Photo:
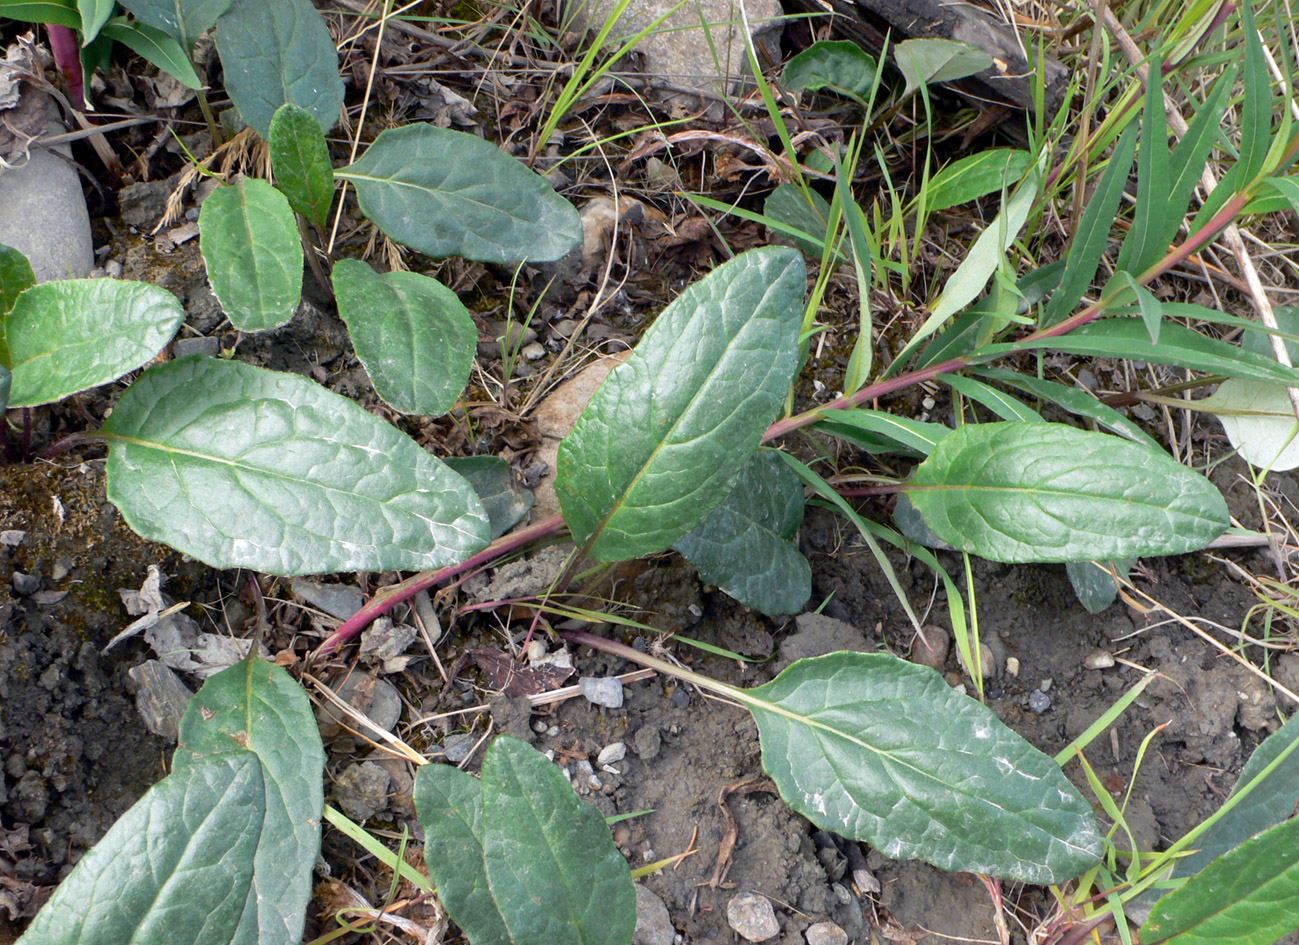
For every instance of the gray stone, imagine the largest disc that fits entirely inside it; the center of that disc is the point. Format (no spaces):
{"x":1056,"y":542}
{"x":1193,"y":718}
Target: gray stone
{"x":679,"y":50}
{"x":372,"y":697}
{"x":653,"y":924}
{"x":752,"y":917}
{"x":337,"y":600}
{"x":161,"y":698}
{"x":25,"y":584}
{"x":825,"y":933}
{"x":602,"y":690}
{"x":385,"y":640}
{"x":458,"y":747}
{"x":1038,"y":701}
{"x":362,"y":790}
{"x":612,"y":753}
{"x":210,"y":347}
{"x":143,"y":204}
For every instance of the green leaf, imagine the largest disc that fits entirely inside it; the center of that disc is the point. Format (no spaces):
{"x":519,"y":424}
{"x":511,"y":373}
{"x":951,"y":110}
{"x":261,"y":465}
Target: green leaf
{"x":447,"y":193}
{"x":1093,"y":233}
{"x":1286,"y":187}
{"x":1268,"y":803}
{"x":415,"y":338}
{"x":275,"y":53}
{"x":1093,"y":584}
{"x":931,"y":61}
{"x":1257,"y":105}
{"x":1025,"y":492}
{"x":980,"y":174}
{"x":746,"y":545}
{"x":94,"y":14}
{"x":840,"y":65}
{"x":72,"y":335}
{"x":183,"y":20}
{"x":787,"y":205}
{"x":503,"y":496}
{"x":16,"y":276}
{"x":1250,"y":896}
{"x":253,"y":253}
{"x":1179,"y":345}
{"x":999,"y":402}
{"x":255,"y":706}
{"x":156,"y":46}
{"x":55,"y":12}
{"x":912,"y":525}
{"x":907,"y":434}
{"x":554,"y":871}
{"x":300,"y":160}
{"x":878,"y":749}
{"x":1151,"y":309}
{"x":662,"y":441}
{"x":450,"y":807}
{"x":1259,"y":341}
{"x":1150,"y":215}
{"x":242,"y":467}
{"x":222,"y":849}
{"x":1259,"y":420}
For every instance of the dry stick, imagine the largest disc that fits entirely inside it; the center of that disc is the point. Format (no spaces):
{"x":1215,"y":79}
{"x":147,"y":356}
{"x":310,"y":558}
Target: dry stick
{"x":1209,"y":180}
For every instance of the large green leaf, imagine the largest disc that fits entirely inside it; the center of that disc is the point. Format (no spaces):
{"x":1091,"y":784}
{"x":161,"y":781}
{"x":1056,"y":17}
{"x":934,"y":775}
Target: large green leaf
{"x":1268,"y":803}
{"x":64,"y":337}
{"x":450,"y":807}
{"x":250,"y":245}
{"x":662,"y":441}
{"x":221,"y":850}
{"x":878,"y":749}
{"x":275,"y":53}
{"x":447,"y":193}
{"x":746,"y":545}
{"x":300,"y":160}
{"x":840,"y":65}
{"x":57,"y":12}
{"x":554,"y":872}
{"x":243,"y":467}
{"x":1259,"y":420}
{"x":1250,"y":896}
{"x":183,"y":20}
{"x":979,"y":174}
{"x":1092,"y":235}
{"x":156,"y":46}
{"x":415,"y":338}
{"x":926,"y":61}
{"x":16,"y":276}
{"x":1023,"y":492}
{"x":504,"y":497}
{"x":1178,"y":345}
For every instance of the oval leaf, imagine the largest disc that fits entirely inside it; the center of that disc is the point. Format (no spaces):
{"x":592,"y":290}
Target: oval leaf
{"x":242,"y":467}
{"x":415,"y":338}
{"x":16,"y":276}
{"x":275,"y":53}
{"x":183,"y":20}
{"x":554,"y":872}
{"x":664,"y":438}
{"x":447,"y":193}
{"x":970,"y":178}
{"x":68,"y":336}
{"x":1248,"y":897}
{"x":745,"y":545}
{"x":837,"y":64}
{"x":925,"y":61}
{"x":300,"y":160}
{"x":1259,"y":421}
{"x":1024,"y":492}
{"x":878,"y":749}
{"x":250,"y":245}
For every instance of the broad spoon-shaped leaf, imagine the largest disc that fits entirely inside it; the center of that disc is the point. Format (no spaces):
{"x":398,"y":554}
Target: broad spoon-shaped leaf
{"x":242,"y":467}
{"x":1025,"y":492}
{"x":221,"y":850}
{"x":878,"y":749}
{"x":664,"y":438}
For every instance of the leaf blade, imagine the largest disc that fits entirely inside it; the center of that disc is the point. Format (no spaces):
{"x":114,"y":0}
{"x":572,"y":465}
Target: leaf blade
{"x":300,"y":160}
{"x":183,"y":20}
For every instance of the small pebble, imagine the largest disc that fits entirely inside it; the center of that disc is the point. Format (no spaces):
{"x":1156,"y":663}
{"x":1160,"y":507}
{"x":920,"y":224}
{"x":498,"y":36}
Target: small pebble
{"x":536,"y":650}
{"x":752,"y":917}
{"x":653,"y":924}
{"x":1046,"y":684}
{"x":209,"y":347}
{"x":13,"y":537}
{"x":457,"y":747}
{"x":1012,"y":666}
{"x":362,"y":790}
{"x":1038,"y":701}
{"x":1098,"y":659}
{"x":25,"y":584}
{"x":532,"y":351}
{"x":825,"y":933}
{"x":680,"y":697}
{"x":113,"y":269}
{"x":935,"y":654}
{"x":612,"y":753}
{"x":841,"y":893}
{"x":602,"y":690}
{"x":539,"y":726}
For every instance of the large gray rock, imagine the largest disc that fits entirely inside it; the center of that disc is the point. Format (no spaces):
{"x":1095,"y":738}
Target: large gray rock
{"x":679,"y":50}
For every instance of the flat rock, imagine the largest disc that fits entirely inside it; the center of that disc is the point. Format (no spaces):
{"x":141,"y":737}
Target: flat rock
{"x":161,"y":698}
{"x":337,"y":600}
{"x":752,"y":917}
{"x":602,"y":690}
{"x":371,"y":696}
{"x":362,"y":790}
{"x":818,"y":635}
{"x":825,"y":933}
{"x":653,"y":924}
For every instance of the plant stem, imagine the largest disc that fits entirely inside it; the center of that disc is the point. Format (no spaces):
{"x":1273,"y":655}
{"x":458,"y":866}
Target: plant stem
{"x":633,"y":655}
{"x":67,"y":57}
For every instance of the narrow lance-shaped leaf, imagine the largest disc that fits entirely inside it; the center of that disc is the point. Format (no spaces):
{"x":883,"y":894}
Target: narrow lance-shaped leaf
{"x":447,"y":193}
{"x":1149,"y":216}
{"x":300,"y":160}
{"x":1000,"y":403}
{"x":253,"y":253}
{"x":975,"y":176}
{"x":94,"y":14}
{"x":662,"y":441}
{"x":1258,"y":104}
{"x":1093,"y":232}
{"x":554,"y":872}
{"x":1025,"y":492}
{"x":242,"y":467}
{"x":57,"y":12}
{"x":1150,"y":308}
{"x":183,"y":20}
{"x":878,"y":749}
{"x":275,"y":53}
{"x":1250,"y":896}
{"x":746,"y":545}
{"x":68,"y":336}
{"x":415,"y":338}
{"x":155,"y":46}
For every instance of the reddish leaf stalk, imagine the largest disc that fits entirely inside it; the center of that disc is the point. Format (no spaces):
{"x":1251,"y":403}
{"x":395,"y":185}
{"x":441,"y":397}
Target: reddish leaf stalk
{"x":67,"y":56}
